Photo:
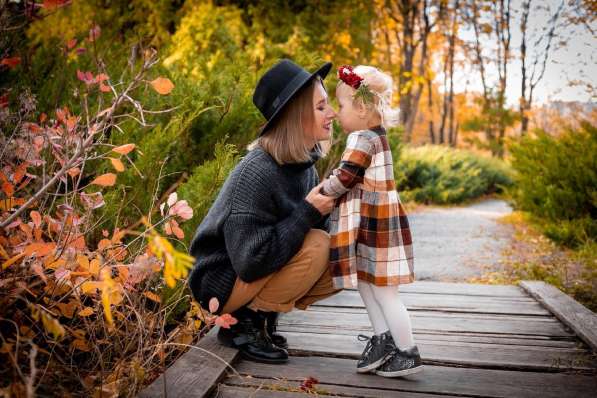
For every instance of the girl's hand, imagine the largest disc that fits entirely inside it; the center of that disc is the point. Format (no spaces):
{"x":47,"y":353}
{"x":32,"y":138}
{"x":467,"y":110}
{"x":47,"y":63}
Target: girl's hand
{"x":323,"y":203}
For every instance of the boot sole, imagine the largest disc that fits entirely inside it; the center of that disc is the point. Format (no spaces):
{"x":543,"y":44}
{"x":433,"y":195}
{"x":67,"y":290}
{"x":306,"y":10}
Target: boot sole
{"x":224,"y":340}
{"x":372,"y":366}
{"x":400,"y":373}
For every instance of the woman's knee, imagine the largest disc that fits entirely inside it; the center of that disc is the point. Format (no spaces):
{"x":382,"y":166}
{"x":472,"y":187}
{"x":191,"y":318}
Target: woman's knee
{"x":317,"y":242}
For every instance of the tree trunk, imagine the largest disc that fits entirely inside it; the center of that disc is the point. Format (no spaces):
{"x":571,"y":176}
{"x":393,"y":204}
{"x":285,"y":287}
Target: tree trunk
{"x":430,"y":107}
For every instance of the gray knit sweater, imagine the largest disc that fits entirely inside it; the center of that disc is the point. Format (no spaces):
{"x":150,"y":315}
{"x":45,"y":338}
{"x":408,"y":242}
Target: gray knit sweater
{"x":257,"y":223}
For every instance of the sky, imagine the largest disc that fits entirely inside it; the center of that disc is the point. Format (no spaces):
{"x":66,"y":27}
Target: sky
{"x":576,"y":60}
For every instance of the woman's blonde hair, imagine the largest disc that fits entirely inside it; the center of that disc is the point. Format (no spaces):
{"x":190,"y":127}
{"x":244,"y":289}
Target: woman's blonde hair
{"x":285,"y":139}
{"x":382,"y":87}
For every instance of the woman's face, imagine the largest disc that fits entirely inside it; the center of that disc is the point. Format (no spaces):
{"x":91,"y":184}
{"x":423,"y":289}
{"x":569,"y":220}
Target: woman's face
{"x":323,"y":114}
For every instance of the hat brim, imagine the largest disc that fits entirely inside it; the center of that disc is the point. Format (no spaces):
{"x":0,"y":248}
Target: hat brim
{"x":321,"y":72}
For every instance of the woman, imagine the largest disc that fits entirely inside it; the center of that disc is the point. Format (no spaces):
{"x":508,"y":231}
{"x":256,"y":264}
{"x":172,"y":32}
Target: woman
{"x":263,"y":246}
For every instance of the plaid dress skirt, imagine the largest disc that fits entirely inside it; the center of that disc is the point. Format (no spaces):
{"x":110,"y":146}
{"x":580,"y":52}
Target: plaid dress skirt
{"x":376,"y":246}
{"x":369,"y":228}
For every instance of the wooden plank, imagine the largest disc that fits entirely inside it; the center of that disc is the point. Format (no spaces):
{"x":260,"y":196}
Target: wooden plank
{"x":434,"y":321}
{"x":450,"y":352}
{"x":196,"y":373}
{"x":576,"y":316}
{"x":488,"y":338}
{"x":467,"y":289}
{"x":351,"y":300}
{"x":232,"y":391}
{"x":280,"y":388}
{"x":333,"y":372}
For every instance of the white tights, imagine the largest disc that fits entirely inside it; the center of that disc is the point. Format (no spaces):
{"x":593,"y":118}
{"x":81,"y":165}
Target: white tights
{"x":387,"y":312}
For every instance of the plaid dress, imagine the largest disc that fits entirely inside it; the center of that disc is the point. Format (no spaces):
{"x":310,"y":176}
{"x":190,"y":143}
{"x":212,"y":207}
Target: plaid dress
{"x":369,"y":230}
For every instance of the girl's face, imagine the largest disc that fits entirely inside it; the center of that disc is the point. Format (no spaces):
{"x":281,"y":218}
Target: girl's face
{"x":323,"y":114}
{"x":350,"y":117}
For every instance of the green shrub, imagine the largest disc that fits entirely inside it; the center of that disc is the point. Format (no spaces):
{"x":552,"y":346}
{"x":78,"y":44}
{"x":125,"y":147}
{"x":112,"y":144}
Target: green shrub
{"x":205,"y":182}
{"x":442,"y":175}
{"x":556,"y":181}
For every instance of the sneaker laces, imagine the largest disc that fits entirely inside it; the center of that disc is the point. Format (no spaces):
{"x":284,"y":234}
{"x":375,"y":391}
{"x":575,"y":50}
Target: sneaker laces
{"x":370,"y":342}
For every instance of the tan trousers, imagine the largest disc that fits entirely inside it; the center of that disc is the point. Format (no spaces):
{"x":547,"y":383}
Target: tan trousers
{"x":304,"y":280}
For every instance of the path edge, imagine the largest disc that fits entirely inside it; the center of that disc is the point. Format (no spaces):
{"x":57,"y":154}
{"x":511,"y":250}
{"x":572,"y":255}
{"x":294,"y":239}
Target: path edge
{"x":572,"y":313}
{"x":195,"y":373}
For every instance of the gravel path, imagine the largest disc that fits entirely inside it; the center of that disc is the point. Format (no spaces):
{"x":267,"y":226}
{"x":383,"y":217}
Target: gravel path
{"x":456,"y":243}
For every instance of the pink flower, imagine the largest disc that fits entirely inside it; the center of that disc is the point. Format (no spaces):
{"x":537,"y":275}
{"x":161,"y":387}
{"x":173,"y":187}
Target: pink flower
{"x":214,"y":304}
{"x":226,"y":321}
{"x":181,"y":209}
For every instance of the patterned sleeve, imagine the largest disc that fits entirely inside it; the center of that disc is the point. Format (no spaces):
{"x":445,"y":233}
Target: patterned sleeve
{"x":355,"y":159}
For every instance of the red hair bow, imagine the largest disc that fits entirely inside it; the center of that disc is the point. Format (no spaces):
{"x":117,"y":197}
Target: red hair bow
{"x":347,"y":75}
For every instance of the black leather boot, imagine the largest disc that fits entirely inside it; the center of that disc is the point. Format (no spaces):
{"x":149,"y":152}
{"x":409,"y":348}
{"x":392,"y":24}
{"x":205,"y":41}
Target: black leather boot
{"x":271,"y":327}
{"x":251,"y":339}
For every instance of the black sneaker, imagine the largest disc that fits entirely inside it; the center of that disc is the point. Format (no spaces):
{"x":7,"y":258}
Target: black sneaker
{"x":401,"y":363}
{"x":251,"y":339}
{"x":377,"y":350}
{"x":271,"y":327}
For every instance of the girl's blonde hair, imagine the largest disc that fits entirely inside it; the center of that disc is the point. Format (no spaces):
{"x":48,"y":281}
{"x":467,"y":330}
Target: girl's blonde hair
{"x":382,"y":87}
{"x":285,"y":139}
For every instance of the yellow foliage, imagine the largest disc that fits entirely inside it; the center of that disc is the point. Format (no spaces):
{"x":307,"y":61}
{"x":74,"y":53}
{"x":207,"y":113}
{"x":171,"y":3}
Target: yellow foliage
{"x":111,"y":294}
{"x":176,"y":263}
{"x":50,"y":324}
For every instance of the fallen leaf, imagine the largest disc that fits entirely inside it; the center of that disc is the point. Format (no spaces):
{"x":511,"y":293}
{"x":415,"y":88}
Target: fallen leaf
{"x":124,"y":149}
{"x":152,"y":297}
{"x":87,"y":311}
{"x":74,"y":171}
{"x":102,"y":244}
{"x":35,"y":217}
{"x":81,"y":345}
{"x":10,"y":203}
{"x":179,"y":233}
{"x":11,"y":62}
{"x":105,"y":180}
{"x":71,"y":43}
{"x":11,"y":261}
{"x":90,"y":287}
{"x":117,"y":164}
{"x":20,"y":172}
{"x":41,"y":249}
{"x":8,"y":188}
{"x":67,"y":309}
{"x":93,"y":200}
{"x":162,"y":85}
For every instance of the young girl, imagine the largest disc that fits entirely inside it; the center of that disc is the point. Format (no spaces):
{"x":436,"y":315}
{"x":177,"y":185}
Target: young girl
{"x":371,"y":246}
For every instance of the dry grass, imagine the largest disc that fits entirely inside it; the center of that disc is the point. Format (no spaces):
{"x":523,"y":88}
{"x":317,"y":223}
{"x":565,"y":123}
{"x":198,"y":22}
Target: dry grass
{"x":532,"y":256}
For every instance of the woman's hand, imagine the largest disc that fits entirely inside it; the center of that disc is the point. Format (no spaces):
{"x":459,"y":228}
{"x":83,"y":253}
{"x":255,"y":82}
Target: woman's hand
{"x":323,"y":203}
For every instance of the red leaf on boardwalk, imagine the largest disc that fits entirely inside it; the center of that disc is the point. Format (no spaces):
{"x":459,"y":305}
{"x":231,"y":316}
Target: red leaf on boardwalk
{"x":309,"y":383}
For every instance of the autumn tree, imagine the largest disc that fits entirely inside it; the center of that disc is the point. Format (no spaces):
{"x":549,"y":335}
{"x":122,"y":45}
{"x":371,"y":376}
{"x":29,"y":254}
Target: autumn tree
{"x":541,"y":48}
{"x":491,"y":21}
{"x":407,"y":25}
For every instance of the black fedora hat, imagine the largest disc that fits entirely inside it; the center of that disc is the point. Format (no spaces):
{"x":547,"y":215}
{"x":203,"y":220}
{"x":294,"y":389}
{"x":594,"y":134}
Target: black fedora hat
{"x":279,"y":84}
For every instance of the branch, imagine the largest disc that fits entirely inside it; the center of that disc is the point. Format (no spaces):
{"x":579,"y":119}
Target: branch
{"x":105,"y":116}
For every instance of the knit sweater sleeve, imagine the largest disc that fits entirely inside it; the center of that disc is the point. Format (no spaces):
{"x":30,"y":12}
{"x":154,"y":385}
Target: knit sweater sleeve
{"x":258,"y":243}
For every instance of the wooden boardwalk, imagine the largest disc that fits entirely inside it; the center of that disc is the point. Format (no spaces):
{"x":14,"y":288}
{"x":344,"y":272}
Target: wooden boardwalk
{"x":475,"y":340}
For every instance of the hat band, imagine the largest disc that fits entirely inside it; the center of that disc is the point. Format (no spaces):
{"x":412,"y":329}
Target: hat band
{"x":288,"y":90}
